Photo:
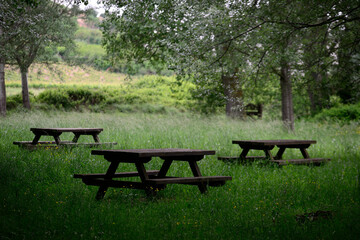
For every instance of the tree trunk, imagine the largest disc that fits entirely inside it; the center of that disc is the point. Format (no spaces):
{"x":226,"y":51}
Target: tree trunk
{"x":315,"y":92}
{"x":25,"y":88}
{"x":2,"y":84}
{"x":287,"y":108}
{"x":233,"y":95}
{"x":2,"y":89}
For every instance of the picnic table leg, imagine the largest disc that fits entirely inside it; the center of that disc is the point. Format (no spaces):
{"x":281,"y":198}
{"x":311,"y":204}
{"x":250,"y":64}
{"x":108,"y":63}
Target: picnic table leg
{"x":36,"y":139}
{"x":108,"y":175}
{"x":164,"y":168}
{"x":196,"y":171}
{"x":304,"y":153}
{"x":280,"y":153}
{"x":57,"y":138}
{"x":144,"y":177}
{"x":268,"y":154}
{"x":96,"y":138}
{"x":243,"y":154}
{"x":76,"y":137}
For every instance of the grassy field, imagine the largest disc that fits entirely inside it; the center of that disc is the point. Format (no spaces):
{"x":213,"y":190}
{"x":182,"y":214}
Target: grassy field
{"x":41,"y":200}
{"x":41,"y":77}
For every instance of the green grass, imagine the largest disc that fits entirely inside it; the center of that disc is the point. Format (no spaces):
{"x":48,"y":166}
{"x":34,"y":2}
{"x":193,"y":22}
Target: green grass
{"x":41,"y":200}
{"x":41,"y":76}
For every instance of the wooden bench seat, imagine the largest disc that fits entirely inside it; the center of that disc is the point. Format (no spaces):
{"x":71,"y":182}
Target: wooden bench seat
{"x":52,"y":144}
{"x":229,"y":158}
{"x":116,"y":175}
{"x":40,"y":142}
{"x":306,"y":161}
{"x":237,"y":158}
{"x":209,"y":180}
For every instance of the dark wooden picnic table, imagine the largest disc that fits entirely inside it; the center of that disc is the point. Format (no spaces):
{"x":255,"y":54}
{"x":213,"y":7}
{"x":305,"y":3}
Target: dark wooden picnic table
{"x":56,"y":132}
{"x":268,"y":145}
{"x":150,"y":180}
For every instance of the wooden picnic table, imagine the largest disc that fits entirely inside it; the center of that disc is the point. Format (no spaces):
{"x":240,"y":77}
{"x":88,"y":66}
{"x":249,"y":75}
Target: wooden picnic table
{"x":56,"y":132}
{"x":268,"y":145}
{"x":150,"y":180}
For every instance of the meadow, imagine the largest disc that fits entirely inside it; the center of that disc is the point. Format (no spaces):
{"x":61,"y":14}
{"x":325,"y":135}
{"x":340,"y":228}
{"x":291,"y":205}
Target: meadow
{"x":41,"y":200}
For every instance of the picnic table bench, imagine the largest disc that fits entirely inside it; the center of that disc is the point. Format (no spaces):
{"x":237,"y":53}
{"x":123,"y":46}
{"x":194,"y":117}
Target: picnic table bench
{"x":268,"y":145}
{"x":150,"y":180}
{"x":56,"y":132}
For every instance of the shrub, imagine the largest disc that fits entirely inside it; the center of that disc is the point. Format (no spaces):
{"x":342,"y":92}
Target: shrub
{"x":342,"y":112}
{"x":71,"y":97}
{"x":14,"y":101}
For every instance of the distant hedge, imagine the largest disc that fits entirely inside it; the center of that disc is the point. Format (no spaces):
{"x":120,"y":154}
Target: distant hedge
{"x":342,"y":113}
{"x":149,"y":94}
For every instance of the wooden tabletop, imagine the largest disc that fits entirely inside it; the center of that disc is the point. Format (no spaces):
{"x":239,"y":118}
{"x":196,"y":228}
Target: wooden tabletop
{"x":287,"y":142}
{"x":162,"y":152}
{"x":80,"y":130}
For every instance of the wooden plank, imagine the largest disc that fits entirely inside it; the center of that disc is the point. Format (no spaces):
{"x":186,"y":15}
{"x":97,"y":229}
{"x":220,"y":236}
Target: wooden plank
{"x":236,"y":158}
{"x":287,"y":142}
{"x":89,"y":131}
{"x":104,"y":184}
{"x":143,"y":153}
{"x":190,"y":180}
{"x":116,"y":175}
{"x":229,"y":158}
{"x":40,"y":142}
{"x":307,"y":161}
{"x":69,"y":143}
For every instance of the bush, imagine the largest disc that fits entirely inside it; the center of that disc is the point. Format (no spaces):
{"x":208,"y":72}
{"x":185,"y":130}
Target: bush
{"x":14,"y":101}
{"x":342,"y":112}
{"x":71,"y":97}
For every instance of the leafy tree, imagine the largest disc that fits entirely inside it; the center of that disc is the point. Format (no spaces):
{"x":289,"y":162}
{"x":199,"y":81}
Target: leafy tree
{"x":219,"y":42}
{"x":29,"y":29}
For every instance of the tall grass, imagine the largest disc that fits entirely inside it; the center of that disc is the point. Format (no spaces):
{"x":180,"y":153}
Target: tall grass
{"x":41,"y":200}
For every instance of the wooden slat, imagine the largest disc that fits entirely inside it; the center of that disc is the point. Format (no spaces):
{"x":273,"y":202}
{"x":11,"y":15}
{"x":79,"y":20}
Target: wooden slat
{"x":59,"y":130}
{"x":40,"y":142}
{"x":236,"y":158}
{"x":229,"y":158}
{"x":307,"y":161}
{"x":287,"y":142}
{"x":87,"y":144}
{"x":190,"y":180}
{"x":116,"y":175}
{"x":106,"y":183}
{"x":164,"y":152}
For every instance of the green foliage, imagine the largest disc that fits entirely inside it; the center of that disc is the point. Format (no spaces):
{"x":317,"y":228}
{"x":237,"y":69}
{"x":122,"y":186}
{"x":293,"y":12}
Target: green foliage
{"x":71,"y":97}
{"x":91,"y":36}
{"x":149,"y":94}
{"x":15,"y":101}
{"x":340,"y":113}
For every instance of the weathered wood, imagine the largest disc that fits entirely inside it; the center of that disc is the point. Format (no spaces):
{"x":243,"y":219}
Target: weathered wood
{"x":196,"y":172}
{"x":286,"y":142}
{"x":239,"y":159}
{"x":304,"y":153}
{"x":116,"y":175}
{"x":106,"y":183}
{"x":165,"y":168}
{"x":191,"y":180}
{"x":229,"y":158}
{"x":141,"y":156}
{"x":108,"y":176}
{"x":52,"y":144}
{"x":83,"y":131}
{"x":174,"y":153}
{"x":307,"y":161}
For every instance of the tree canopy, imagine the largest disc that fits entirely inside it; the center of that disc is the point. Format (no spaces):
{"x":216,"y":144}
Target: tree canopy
{"x":241,"y":39}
